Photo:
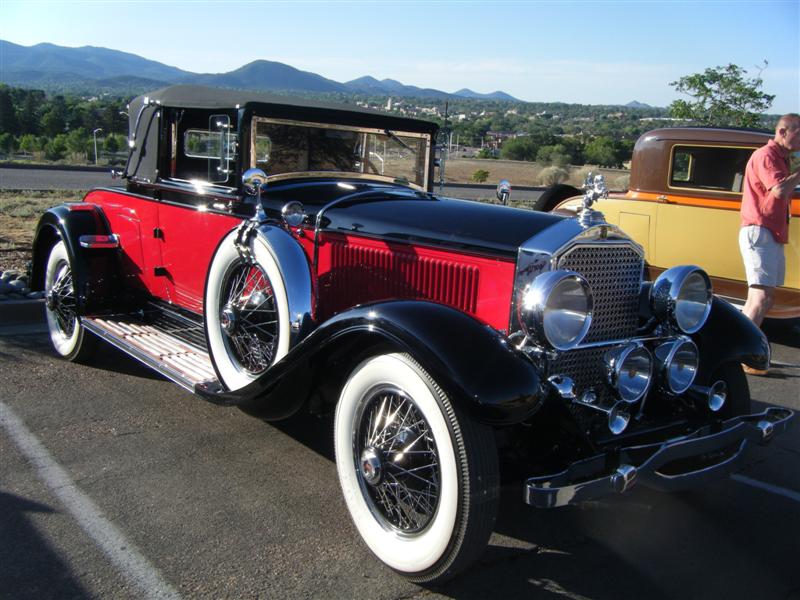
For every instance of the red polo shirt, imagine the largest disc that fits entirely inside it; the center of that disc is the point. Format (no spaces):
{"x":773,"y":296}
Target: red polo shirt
{"x":767,"y":167}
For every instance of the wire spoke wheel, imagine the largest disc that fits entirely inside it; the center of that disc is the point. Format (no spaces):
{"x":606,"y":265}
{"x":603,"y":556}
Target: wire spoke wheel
{"x":61,"y":308}
{"x":420,"y":479}
{"x":398,"y":462}
{"x":249,"y":317}
{"x":61,"y":300}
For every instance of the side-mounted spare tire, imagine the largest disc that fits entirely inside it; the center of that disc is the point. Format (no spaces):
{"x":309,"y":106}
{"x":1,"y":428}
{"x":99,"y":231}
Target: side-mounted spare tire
{"x":246,"y":311}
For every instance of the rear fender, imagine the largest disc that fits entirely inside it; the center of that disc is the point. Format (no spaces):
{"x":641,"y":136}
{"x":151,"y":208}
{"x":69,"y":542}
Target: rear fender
{"x":94,"y":271}
{"x":471,"y":362}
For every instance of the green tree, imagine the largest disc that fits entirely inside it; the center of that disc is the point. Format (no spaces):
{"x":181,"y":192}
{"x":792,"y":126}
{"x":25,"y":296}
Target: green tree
{"x":601,"y":151}
{"x":8,"y":116}
{"x":54,"y":121}
{"x":520,"y":148}
{"x":77,"y":142}
{"x":111,"y":143}
{"x":55,"y":148}
{"x":723,"y":97}
{"x":556,"y":154}
{"x":29,"y":144}
{"x":7,"y":143}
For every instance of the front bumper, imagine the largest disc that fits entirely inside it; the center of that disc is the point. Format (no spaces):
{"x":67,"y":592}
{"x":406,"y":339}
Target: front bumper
{"x":710,"y":452}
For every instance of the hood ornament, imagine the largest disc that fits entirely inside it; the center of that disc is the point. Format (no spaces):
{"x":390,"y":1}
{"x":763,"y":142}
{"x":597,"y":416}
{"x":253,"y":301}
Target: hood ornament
{"x":594,"y":189}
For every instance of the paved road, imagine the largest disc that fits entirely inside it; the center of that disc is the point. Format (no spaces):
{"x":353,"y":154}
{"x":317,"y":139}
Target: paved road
{"x":114,"y":481}
{"x":49,"y":179}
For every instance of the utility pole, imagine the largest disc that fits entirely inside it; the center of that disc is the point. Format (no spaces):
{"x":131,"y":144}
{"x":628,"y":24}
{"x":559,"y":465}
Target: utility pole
{"x":94,"y":136}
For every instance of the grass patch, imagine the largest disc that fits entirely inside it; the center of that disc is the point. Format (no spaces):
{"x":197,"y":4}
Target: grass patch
{"x":20,"y":211}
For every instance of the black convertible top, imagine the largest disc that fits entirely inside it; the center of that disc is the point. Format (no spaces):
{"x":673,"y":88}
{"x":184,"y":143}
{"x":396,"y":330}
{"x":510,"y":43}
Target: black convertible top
{"x":194,"y":96}
{"x":144,"y":154}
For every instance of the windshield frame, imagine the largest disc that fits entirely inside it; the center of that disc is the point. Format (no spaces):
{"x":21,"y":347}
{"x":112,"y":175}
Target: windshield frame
{"x":425,"y":137}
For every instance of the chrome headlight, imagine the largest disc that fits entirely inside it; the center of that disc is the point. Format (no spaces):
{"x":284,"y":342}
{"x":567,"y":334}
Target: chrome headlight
{"x":681,"y":296}
{"x":678,"y":361}
{"x":556,"y":308}
{"x":630,"y":370}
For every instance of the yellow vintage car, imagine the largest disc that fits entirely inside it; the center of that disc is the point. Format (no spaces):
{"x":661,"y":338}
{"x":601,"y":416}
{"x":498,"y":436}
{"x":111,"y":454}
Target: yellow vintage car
{"x":682,"y":206}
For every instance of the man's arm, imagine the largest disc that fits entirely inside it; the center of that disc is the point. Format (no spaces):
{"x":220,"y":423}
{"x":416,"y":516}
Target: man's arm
{"x":784,"y":188}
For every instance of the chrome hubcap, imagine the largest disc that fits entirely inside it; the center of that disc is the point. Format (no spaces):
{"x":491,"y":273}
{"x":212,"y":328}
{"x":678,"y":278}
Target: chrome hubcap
{"x":371,"y":466}
{"x":228,"y":320}
{"x":397,"y":461}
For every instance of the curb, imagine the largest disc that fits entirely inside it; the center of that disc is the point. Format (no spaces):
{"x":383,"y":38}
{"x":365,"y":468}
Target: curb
{"x":21,"y":311}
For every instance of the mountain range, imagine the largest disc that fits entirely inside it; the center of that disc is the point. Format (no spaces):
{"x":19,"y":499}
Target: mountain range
{"x":102,"y":70}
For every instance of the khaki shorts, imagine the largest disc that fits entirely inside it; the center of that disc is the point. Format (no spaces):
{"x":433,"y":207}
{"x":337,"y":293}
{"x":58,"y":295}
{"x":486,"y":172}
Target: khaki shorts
{"x":764,"y":261}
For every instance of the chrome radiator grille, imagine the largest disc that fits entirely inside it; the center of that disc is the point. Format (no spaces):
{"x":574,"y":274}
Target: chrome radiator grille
{"x":614,"y":271}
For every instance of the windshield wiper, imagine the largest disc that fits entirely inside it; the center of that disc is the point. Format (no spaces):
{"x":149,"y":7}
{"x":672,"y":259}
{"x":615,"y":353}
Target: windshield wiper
{"x":393,"y":135}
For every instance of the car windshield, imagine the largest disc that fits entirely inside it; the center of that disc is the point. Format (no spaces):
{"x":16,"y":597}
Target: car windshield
{"x":283,"y":148}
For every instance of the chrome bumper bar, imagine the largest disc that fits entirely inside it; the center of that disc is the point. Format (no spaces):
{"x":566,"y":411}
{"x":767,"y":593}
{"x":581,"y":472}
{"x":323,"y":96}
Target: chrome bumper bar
{"x":717,"y":450}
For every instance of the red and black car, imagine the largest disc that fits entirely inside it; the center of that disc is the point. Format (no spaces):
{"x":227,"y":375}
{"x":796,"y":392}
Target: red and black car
{"x":279,"y":253}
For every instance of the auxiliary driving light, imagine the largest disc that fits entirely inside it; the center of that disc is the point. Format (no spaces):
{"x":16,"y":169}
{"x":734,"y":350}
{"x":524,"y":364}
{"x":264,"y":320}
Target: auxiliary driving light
{"x":677,"y":361}
{"x":629,"y":371}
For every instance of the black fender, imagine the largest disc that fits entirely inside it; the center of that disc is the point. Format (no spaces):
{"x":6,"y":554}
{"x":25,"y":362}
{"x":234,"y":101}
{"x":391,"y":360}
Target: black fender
{"x":474,"y":364}
{"x":95,"y":271}
{"x":554,"y":195}
{"x":729,"y":336}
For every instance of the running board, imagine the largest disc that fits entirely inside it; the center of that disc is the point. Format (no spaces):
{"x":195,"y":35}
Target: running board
{"x":160,"y":345}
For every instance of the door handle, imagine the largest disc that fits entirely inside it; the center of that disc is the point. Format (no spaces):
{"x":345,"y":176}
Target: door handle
{"x":663,"y":199}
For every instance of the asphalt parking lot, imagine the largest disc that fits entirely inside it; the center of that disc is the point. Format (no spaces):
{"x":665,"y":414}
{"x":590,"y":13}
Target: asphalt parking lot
{"x":115,"y":483}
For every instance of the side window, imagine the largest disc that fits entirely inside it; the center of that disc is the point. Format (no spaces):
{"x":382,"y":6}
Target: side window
{"x":712,"y":168}
{"x":217,"y":145}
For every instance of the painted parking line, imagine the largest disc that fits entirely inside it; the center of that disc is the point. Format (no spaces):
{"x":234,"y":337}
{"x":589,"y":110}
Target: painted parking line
{"x":119,"y":550}
{"x":768,"y":487}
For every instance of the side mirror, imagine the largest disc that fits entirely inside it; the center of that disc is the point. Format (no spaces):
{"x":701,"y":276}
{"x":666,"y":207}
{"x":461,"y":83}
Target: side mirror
{"x":504,"y":191}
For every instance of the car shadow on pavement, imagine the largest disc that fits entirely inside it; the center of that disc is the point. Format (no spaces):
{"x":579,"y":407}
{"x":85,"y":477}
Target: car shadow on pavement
{"x":106,"y":357}
{"x":29,"y":566}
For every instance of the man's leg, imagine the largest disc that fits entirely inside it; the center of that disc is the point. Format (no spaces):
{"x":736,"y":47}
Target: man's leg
{"x":760,"y":299}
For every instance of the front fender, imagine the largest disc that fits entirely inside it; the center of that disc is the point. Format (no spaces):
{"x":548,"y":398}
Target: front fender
{"x":729,"y":336}
{"x":94,"y":271}
{"x":471,"y":362}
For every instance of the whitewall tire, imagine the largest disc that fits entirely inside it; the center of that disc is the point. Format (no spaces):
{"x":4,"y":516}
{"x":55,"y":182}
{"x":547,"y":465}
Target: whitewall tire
{"x":246,"y":313}
{"x":67,"y":335}
{"x":419,"y":479}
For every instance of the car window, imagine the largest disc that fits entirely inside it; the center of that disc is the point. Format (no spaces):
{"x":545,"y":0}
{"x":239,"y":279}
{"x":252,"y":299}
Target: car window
{"x":714,"y":168}
{"x":217,"y":145}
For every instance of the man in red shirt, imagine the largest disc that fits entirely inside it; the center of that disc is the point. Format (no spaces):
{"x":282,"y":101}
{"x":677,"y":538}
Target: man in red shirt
{"x":766,"y":199}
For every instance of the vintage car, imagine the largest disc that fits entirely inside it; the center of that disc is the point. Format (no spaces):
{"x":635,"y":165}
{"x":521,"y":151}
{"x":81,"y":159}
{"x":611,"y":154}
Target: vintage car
{"x":281,"y":254}
{"x":682,"y":206}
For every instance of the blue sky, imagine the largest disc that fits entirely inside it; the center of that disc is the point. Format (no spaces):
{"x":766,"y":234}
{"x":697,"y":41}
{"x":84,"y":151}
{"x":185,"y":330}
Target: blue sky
{"x":590,"y":52}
